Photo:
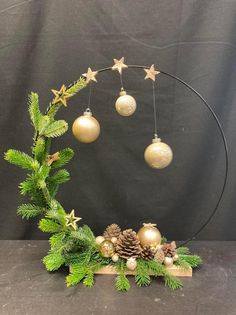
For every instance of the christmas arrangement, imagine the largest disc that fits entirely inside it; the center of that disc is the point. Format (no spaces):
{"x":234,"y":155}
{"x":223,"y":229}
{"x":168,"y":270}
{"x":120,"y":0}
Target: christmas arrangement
{"x":144,"y":253}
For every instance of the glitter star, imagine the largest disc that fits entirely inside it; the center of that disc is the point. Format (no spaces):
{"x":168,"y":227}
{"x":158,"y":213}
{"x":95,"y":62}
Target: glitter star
{"x":61,"y":95}
{"x":52,"y":158}
{"x":119,"y":65}
{"x":151,"y":73}
{"x":71,"y":220}
{"x":90,"y":75}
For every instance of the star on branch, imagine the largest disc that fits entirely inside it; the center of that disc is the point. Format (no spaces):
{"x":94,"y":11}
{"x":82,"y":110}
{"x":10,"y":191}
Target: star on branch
{"x":119,"y":65}
{"x":52,"y":158}
{"x":90,"y":75}
{"x":71,"y":220}
{"x":151,"y":73}
{"x":61,"y":96}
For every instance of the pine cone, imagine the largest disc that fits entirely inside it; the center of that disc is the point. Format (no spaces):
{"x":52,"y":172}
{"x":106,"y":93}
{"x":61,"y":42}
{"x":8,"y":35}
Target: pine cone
{"x":148,"y":252}
{"x":159,"y":256}
{"x":128,"y":245}
{"x":169,"y":249}
{"x":112,"y":230}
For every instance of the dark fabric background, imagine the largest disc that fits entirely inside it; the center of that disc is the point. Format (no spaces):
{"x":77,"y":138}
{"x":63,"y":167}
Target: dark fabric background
{"x":47,"y":43}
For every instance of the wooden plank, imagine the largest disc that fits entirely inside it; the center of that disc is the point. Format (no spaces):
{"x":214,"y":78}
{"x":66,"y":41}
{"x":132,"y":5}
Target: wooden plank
{"x":174,"y":270}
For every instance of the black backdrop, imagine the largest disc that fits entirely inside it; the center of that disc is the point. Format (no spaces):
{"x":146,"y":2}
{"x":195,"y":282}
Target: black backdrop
{"x":47,"y":43}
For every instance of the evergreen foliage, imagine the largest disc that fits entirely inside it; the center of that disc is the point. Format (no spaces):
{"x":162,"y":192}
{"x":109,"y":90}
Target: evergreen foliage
{"x":77,"y":247}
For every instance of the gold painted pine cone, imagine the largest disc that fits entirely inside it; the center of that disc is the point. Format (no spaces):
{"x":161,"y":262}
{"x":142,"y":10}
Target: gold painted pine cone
{"x":112,"y":230}
{"x":169,"y":249}
{"x":159,"y":256}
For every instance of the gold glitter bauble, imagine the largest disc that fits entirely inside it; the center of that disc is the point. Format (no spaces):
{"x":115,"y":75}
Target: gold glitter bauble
{"x":107,"y":249}
{"x":86,"y":128}
{"x":158,"y":154}
{"x":125,"y":104}
{"x":149,"y":235}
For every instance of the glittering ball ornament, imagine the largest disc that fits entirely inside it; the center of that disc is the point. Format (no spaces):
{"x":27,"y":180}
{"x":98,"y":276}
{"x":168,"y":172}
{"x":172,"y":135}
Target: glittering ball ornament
{"x":158,"y":154}
{"x":107,"y":249}
{"x":125,"y":104}
{"x":149,"y":235}
{"x":86,"y":128}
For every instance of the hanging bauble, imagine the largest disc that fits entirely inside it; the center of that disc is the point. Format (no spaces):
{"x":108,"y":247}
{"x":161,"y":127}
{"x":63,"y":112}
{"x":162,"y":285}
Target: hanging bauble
{"x":125,"y":104}
{"x":86,"y":128}
{"x":99,"y":240}
{"x":149,"y":235}
{"x":158,"y":154}
{"x":107,"y":249}
{"x":176,"y":257}
{"x":168,"y":261}
{"x":131,"y":264}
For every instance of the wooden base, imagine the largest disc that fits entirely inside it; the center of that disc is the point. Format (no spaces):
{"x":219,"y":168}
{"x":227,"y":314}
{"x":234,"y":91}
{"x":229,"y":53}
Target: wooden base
{"x":174,"y":270}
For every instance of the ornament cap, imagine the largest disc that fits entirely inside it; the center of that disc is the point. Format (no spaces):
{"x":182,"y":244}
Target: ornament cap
{"x":156,"y":139}
{"x":149,"y":224}
{"x":122,"y":92}
{"x":88,"y":112}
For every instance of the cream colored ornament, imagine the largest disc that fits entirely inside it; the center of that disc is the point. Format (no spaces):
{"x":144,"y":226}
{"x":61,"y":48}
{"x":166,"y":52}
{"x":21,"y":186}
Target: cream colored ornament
{"x":107,"y":249}
{"x":131,"y":264}
{"x":176,"y":257}
{"x":125,"y":104}
{"x":114,"y":239}
{"x":158,"y":154}
{"x":168,"y":261}
{"x":149,"y":235}
{"x":115,"y":258}
{"x":99,"y":240}
{"x":86,"y":128}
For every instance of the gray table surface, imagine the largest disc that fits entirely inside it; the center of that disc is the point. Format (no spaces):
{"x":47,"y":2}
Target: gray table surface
{"x":27,"y":288}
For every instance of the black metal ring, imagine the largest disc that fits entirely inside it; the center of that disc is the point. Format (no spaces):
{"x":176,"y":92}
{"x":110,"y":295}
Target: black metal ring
{"x":221,"y":133}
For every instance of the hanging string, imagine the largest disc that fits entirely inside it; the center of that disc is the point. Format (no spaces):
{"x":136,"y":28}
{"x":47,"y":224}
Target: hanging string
{"x":154,"y":109}
{"x":121,"y":82}
{"x":89,"y":96}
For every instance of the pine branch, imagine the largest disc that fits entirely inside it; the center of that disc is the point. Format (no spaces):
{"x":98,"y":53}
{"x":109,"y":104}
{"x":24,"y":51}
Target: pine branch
{"x":163,"y":240}
{"x":65,"y":156}
{"x":193,"y":260}
{"x":27,"y":211}
{"x":183,"y":250}
{"x":89,"y":279}
{"x":182,"y":263}
{"x":142,"y":277}
{"x":21,"y":159}
{"x":34,"y":111}
{"x":172,"y":282}
{"x":55,"y":129}
{"x":160,"y":270}
{"x":77,"y":86}
{"x":39,"y":149}
{"x":60,"y":177}
{"x":57,"y":241}
{"x":47,"y":225}
{"x":122,"y":282}
{"x":77,"y":273}
{"x":53,"y":261}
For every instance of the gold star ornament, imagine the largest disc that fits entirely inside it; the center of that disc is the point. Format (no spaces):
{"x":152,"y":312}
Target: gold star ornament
{"x":119,"y":65}
{"x":52,"y":158}
{"x":90,"y":75}
{"x":151,"y":73}
{"x":61,"y":96}
{"x":71,"y":220}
